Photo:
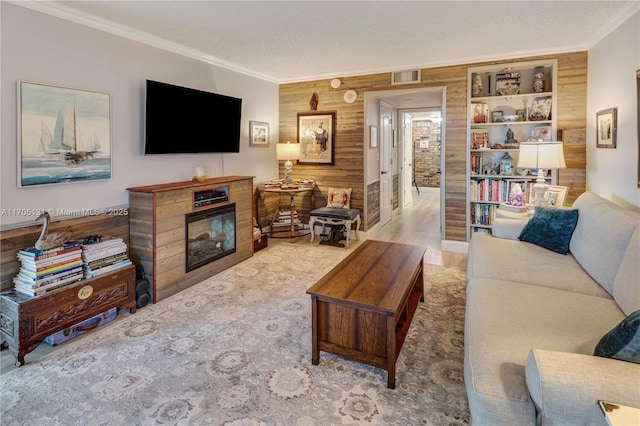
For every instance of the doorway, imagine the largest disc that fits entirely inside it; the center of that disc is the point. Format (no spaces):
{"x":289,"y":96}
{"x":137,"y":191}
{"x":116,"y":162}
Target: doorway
{"x":400,"y":160}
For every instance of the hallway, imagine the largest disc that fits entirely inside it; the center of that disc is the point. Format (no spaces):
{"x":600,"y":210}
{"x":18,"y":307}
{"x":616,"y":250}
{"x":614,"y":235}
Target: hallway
{"x":419,"y":224}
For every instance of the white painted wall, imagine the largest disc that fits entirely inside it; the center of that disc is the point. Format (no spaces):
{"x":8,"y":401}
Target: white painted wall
{"x":613,"y":173}
{"x":43,"y":49}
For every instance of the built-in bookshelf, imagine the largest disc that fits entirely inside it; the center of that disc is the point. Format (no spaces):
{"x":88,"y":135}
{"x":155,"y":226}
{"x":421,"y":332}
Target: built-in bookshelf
{"x":507,"y":104}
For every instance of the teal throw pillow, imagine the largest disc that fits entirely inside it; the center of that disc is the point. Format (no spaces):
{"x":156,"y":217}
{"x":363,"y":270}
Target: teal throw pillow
{"x":551,"y":228}
{"x":623,"y":342}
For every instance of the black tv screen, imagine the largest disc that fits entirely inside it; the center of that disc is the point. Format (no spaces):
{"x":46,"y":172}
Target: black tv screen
{"x":180,"y":120}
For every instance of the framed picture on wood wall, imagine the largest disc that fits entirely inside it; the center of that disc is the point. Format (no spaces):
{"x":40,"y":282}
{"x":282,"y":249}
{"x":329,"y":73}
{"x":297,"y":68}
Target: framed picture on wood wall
{"x":373,"y":136}
{"x":64,"y":135}
{"x":606,"y":128}
{"x":316,"y":136}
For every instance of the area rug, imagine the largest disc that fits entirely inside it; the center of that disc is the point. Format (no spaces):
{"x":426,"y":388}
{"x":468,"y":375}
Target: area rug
{"x":236,"y":350}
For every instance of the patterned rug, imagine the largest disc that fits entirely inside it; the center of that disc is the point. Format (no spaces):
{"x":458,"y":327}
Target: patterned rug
{"x":236,"y":350}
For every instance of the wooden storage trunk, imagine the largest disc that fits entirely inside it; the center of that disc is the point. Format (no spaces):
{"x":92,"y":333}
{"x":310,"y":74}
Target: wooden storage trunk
{"x":259,"y":243}
{"x":82,"y":327}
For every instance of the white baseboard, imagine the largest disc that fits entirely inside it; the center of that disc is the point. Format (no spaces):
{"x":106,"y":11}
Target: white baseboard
{"x":455,"y":246}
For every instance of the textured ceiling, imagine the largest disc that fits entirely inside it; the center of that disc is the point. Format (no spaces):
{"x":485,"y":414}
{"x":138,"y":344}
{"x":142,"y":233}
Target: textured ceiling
{"x":305,"y":40}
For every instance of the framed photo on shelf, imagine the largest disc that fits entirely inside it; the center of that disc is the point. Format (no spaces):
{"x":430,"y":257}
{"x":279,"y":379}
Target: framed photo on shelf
{"x":541,"y":109}
{"x":480,"y":113}
{"x":540,"y":134}
{"x":522,"y":114}
{"x":479,"y":138}
{"x":316,"y":136}
{"x":258,"y":133}
{"x":606,"y":128}
{"x":556,"y":195}
{"x":507,"y":83}
{"x":496,"y":116}
{"x":64,"y":135}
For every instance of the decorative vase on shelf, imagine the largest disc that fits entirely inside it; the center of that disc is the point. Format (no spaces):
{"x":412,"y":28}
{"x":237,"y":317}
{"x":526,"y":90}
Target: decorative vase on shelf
{"x":538,"y":82}
{"x":477,"y":87}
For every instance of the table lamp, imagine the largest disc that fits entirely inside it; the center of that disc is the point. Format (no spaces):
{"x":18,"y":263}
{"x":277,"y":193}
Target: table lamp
{"x":541,"y":156}
{"x":288,"y":151}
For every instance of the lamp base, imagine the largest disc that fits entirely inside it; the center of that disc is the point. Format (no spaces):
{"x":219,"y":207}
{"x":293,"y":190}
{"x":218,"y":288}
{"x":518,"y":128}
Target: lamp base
{"x":288,"y":170}
{"x":539,"y":189}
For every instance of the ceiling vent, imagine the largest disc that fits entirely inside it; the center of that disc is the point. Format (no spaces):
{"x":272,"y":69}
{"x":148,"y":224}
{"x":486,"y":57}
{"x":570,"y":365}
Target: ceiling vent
{"x":405,"y":77}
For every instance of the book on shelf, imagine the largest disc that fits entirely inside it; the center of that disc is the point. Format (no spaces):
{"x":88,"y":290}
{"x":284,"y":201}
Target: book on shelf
{"x":106,"y":260}
{"x":31,"y":290}
{"x":104,"y":253}
{"x":48,"y":271}
{"x":37,"y":254}
{"x":91,"y":273}
{"x":104,"y":242}
{"x":49,"y":261}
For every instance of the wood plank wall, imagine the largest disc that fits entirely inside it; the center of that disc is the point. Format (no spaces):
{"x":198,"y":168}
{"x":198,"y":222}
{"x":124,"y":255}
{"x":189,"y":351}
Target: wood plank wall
{"x":349,"y":139}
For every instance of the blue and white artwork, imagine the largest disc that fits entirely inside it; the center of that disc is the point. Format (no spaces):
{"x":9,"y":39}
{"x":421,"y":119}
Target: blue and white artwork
{"x":65,"y":135}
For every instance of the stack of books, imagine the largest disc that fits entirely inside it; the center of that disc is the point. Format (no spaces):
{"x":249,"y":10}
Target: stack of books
{"x":103,"y":255}
{"x":46,"y":270}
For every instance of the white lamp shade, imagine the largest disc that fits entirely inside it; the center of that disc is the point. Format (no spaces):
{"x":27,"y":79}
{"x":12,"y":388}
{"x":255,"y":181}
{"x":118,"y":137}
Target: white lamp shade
{"x":288,"y":151}
{"x":541,"y":155}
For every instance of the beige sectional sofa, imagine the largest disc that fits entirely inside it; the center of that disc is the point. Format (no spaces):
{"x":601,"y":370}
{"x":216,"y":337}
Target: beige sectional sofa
{"x":534,"y":317}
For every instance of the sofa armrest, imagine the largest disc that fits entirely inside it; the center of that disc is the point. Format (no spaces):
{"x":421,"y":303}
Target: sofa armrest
{"x":566,"y":387}
{"x":508,"y":228}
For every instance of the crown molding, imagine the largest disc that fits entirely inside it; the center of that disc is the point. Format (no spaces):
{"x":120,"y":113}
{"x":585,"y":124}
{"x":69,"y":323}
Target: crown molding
{"x":614,"y":22}
{"x":92,"y":21}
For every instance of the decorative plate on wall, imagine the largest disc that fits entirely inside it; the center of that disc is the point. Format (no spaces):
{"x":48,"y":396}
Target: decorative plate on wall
{"x":350,"y":96}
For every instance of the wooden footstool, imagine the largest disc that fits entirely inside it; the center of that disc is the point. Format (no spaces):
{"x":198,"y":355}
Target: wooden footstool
{"x":335,"y":216}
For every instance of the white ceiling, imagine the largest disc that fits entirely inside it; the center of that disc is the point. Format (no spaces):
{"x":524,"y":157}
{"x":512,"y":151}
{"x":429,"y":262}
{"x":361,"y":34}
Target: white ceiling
{"x":291,"y":41}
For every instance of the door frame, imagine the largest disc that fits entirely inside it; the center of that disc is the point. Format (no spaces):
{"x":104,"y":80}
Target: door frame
{"x":396,"y":98}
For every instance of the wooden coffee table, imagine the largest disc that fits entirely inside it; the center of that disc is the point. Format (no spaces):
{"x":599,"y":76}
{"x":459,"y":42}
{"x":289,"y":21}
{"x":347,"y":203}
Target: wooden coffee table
{"x":362,"y":309}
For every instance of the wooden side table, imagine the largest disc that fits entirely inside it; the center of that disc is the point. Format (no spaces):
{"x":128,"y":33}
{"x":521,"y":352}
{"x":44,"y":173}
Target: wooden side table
{"x":291,"y":192}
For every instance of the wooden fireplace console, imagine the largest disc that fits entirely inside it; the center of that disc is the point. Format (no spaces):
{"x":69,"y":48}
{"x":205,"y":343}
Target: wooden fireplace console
{"x":157,"y":228}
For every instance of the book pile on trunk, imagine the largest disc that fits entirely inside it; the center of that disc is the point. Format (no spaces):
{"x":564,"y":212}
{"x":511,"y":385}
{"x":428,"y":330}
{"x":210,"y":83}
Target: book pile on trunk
{"x":46,"y":270}
{"x":103,"y":254}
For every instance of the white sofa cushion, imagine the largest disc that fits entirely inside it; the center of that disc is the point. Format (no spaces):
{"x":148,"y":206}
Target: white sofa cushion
{"x":566,"y":387}
{"x":626,"y":287}
{"x":601,"y":237}
{"x":504,"y":259}
{"x":504,"y":321}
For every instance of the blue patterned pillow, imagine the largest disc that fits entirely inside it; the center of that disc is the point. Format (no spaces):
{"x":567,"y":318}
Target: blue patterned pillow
{"x":551,"y":228}
{"x":623,"y":342}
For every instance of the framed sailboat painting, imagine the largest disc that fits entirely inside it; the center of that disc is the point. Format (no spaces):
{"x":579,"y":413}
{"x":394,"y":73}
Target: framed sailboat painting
{"x":64,"y":135}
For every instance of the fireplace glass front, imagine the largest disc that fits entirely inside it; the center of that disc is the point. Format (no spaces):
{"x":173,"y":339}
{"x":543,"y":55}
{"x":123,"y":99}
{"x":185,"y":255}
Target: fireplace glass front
{"x":211,"y":234}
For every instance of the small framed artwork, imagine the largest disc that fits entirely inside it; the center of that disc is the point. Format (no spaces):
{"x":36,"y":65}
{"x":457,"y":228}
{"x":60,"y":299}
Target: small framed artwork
{"x":64,"y":135}
{"x":258,"y":133}
{"x":316,"y":136}
{"x":373,"y":136}
{"x":540,"y":134}
{"x":541,"y":109}
{"x":496,"y":116}
{"x":556,"y":195}
{"x":507,"y":83}
{"x":479,"y":138}
{"x":606,"y":128}
{"x":522,"y":114}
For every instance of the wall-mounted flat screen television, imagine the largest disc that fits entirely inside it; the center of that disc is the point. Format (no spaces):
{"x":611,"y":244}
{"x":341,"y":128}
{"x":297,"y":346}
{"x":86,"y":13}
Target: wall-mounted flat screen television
{"x":180,"y":120}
